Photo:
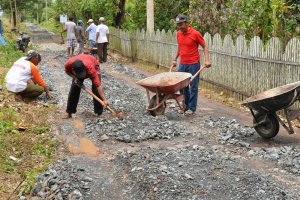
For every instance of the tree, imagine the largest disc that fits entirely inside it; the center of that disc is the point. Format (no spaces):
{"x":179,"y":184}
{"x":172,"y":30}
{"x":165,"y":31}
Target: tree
{"x":150,"y":16}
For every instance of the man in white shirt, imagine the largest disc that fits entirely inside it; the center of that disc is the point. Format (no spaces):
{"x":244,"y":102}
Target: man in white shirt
{"x":70,"y":28}
{"x":91,"y":30}
{"x":102,"y":38}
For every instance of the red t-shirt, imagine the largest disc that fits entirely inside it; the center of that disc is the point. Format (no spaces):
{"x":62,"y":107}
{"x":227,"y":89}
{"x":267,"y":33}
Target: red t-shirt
{"x":188,"y":46}
{"x":91,"y":65}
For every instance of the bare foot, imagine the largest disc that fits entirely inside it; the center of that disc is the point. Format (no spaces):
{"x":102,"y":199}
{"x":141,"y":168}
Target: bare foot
{"x":67,"y":116}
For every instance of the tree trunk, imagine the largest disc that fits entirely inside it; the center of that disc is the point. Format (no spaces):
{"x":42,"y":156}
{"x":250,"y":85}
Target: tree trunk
{"x":120,"y":14}
{"x":15,"y":14}
{"x":150,"y":15}
{"x":11,"y":12}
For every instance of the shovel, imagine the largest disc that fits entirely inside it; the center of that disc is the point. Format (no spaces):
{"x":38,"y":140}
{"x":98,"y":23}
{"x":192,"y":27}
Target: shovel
{"x":120,"y":115}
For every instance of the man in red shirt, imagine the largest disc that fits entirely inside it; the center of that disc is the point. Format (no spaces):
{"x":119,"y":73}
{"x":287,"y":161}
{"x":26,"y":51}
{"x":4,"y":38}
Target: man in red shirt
{"x":79,"y":68}
{"x":188,"y":40}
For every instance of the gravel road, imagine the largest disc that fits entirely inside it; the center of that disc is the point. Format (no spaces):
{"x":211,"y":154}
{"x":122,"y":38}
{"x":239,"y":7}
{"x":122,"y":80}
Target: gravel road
{"x":165,"y":157}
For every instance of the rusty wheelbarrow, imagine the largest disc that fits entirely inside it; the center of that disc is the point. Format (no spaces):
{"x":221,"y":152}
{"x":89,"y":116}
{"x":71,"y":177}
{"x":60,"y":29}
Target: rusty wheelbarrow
{"x":166,"y":85}
{"x":264,"y":106}
{"x":92,"y":51}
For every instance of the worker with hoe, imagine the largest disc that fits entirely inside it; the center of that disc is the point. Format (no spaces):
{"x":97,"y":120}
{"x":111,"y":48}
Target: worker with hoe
{"x":81,"y":67}
{"x":24,"y":79}
{"x":188,"y":40}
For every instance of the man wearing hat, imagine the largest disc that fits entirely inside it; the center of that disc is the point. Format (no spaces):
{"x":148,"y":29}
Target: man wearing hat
{"x":79,"y":68}
{"x":102,"y":39}
{"x":24,"y":79}
{"x":80,"y":37}
{"x":188,"y":40}
{"x":91,"y":30}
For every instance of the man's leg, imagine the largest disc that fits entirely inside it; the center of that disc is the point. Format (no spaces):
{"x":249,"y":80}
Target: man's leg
{"x":73,"y":98}
{"x":92,"y":43}
{"x":186,"y":91}
{"x":69,"y":47}
{"x":100,"y":51}
{"x":192,"y":104}
{"x":105,"y":51}
{"x":98,"y":108}
{"x":80,"y":48}
{"x":32,"y":91}
{"x":73,"y":45}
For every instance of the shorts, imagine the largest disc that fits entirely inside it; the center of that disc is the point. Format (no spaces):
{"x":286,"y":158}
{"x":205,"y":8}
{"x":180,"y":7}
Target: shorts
{"x":71,"y":43}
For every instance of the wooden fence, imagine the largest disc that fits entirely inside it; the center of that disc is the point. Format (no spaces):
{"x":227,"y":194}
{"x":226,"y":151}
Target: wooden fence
{"x":241,"y":68}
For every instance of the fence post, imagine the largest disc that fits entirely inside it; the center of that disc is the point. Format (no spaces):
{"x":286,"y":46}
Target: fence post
{"x":133,"y":44}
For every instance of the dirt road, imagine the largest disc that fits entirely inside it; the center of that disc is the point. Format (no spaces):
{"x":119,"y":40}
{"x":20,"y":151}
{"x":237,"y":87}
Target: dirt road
{"x":210,"y":155}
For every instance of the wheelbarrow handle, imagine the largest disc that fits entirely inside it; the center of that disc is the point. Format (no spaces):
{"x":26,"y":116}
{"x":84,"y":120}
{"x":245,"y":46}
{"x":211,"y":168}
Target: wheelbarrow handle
{"x":95,"y":97}
{"x":198,"y":72}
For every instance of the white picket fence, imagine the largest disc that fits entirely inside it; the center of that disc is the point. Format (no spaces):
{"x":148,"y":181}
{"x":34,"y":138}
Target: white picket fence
{"x":240,"y":68}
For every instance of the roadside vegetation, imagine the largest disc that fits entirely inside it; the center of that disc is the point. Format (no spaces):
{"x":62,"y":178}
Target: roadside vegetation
{"x":26,"y":145}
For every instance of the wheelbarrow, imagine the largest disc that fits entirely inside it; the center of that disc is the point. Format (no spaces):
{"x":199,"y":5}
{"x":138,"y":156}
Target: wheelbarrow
{"x":166,"y":85}
{"x":264,"y":108}
{"x":92,"y":51}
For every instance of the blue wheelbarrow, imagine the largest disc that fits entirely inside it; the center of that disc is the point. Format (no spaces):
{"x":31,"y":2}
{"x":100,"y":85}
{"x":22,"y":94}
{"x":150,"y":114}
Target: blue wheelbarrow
{"x":264,"y":108}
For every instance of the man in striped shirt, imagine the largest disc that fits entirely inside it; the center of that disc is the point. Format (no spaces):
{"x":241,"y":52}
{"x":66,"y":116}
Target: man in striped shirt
{"x":24,"y":79}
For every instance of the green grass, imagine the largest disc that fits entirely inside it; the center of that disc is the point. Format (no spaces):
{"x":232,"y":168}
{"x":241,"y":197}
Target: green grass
{"x":8,"y":53}
{"x":24,"y":131}
{"x":52,"y":26}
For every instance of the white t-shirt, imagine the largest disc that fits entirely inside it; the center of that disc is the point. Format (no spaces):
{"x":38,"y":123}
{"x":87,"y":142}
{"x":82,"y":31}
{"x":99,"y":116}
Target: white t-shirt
{"x":18,"y":75}
{"x":102,"y":29}
{"x":71,"y":28}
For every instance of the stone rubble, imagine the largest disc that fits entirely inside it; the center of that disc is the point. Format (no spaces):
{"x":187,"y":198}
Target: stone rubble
{"x":187,"y":172}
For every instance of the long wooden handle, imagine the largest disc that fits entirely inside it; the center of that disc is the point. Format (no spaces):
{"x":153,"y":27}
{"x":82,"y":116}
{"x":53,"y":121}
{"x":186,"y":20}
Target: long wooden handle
{"x":98,"y":99}
{"x":198,"y":72}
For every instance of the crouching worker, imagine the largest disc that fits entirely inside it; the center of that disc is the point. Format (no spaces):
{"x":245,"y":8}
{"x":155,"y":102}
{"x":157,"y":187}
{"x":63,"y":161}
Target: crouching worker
{"x":24,"y":79}
{"x":79,"y":68}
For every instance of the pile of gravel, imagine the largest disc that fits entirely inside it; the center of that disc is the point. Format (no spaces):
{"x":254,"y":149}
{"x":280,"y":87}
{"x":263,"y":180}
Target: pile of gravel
{"x":286,"y":157}
{"x":231,"y":132}
{"x":195,"y":172}
{"x":62,"y":181}
{"x":128,"y":71}
{"x":138,"y":124}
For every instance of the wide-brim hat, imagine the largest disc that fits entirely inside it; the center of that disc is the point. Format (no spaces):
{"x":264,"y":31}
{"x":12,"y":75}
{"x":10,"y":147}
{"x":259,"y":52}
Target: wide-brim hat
{"x":90,"y":21}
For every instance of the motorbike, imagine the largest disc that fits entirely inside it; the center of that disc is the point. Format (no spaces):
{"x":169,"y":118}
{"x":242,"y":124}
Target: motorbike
{"x":22,"y":42}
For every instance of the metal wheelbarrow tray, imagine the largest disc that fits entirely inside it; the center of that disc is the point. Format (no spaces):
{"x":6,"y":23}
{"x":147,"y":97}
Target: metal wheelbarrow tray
{"x":90,"y":50}
{"x":166,"y":85}
{"x":264,"y":106}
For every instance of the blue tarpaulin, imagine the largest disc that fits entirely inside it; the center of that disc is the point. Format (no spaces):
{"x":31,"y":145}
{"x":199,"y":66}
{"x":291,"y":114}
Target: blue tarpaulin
{"x":2,"y":41}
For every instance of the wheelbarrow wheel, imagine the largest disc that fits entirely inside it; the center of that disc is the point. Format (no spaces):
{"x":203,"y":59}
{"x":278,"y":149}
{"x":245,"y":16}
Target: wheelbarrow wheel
{"x":160,"y":110}
{"x":267,"y":126}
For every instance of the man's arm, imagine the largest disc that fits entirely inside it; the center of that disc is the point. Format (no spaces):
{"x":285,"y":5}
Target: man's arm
{"x":36,"y":77}
{"x":207,"y":62}
{"x":75,"y":31}
{"x":174,"y":61}
{"x":101,"y":93}
{"x":97,"y":35}
{"x":107,"y":35}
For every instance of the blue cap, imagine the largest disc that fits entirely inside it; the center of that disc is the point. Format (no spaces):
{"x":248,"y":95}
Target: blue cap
{"x":80,"y":21}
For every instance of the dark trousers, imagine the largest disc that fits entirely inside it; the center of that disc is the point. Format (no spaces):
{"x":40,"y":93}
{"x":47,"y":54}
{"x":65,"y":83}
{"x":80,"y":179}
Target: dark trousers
{"x":73,"y":99}
{"x":102,"y":51}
